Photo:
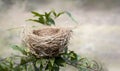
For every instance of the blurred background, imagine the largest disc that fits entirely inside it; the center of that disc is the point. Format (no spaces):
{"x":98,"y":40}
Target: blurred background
{"x":97,"y":35}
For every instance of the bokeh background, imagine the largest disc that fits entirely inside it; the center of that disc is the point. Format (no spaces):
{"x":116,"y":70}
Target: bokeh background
{"x":96,"y":36}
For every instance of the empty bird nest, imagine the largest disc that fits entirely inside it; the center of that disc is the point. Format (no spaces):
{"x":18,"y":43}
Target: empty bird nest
{"x":47,"y":41}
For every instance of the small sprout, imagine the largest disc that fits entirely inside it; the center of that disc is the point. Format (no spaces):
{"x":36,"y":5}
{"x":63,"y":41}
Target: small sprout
{"x":46,"y":18}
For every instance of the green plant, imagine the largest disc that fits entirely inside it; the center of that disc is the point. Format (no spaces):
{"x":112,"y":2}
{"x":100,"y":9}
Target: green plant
{"x":29,"y":62}
{"x":48,"y":17}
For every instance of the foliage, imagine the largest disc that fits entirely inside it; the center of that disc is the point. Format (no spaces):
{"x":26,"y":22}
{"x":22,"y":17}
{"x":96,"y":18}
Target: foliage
{"x":28,"y":62}
{"x":48,"y":17}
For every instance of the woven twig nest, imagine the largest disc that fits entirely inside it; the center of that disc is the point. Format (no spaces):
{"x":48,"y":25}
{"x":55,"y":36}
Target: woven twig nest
{"x":47,"y":41}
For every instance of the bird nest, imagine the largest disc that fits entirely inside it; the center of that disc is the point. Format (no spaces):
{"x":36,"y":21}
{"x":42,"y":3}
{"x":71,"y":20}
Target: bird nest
{"x":48,"y":41}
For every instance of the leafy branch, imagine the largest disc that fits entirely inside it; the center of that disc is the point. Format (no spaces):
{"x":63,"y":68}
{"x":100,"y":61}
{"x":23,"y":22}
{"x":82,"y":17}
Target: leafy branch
{"x":28,"y":62}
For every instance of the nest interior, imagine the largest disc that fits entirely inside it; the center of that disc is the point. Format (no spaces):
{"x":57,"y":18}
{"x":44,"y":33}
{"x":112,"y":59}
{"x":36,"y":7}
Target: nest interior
{"x":49,"y":41}
{"x":46,"y":31}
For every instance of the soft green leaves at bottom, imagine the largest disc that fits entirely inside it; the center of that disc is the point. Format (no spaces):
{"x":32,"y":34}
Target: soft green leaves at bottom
{"x":73,"y":56}
{"x":52,"y":60}
{"x":60,"y":61}
{"x":28,"y":62}
{"x":25,"y":60}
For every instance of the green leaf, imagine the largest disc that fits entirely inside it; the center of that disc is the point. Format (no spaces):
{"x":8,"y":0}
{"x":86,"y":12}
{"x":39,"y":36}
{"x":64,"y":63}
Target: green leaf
{"x":47,"y":15}
{"x":21,"y":49}
{"x":54,"y":13}
{"x":83,"y":69}
{"x":37,"y":14}
{"x":81,"y":59}
{"x":29,"y":67}
{"x":50,"y":21}
{"x":34,"y":20}
{"x":60,"y":61}
{"x":56,"y":68}
{"x":60,"y":14}
{"x":35,"y":67}
{"x":6,"y":64}
{"x":10,"y":62}
{"x":69,"y":14}
{"x":52,"y":60}
{"x":49,"y":66}
{"x":41,"y":67}
{"x":41,"y":20}
{"x":44,"y":61}
{"x":25,"y":60}
{"x":73,"y":55}
{"x":38,"y":62}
